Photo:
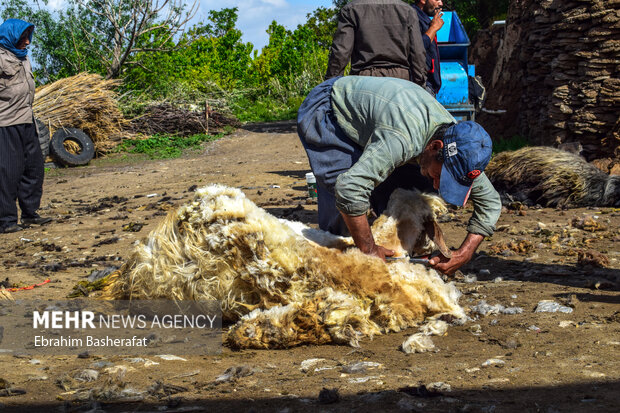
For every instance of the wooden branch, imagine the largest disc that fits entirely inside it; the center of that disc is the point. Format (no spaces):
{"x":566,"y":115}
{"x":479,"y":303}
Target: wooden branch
{"x":129,"y":20}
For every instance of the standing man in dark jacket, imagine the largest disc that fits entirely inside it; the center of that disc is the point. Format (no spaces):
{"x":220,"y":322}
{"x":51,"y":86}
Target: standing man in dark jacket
{"x":381,"y":38}
{"x":429,"y":28}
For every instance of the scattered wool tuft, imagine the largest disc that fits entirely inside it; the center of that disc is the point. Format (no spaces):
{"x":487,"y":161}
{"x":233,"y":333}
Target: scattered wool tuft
{"x":421,"y":342}
{"x":434,"y":327}
{"x":418,"y":343}
{"x":485,"y":309}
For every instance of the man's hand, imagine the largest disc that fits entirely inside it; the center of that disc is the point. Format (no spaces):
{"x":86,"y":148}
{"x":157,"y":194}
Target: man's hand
{"x":449,"y":266}
{"x":459,"y":258}
{"x":435,"y":25}
{"x":437,"y":22}
{"x":362,"y":236}
{"x":381,"y":252}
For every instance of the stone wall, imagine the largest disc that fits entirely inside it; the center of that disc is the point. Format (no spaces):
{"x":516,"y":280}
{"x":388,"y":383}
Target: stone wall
{"x":555,"y":68}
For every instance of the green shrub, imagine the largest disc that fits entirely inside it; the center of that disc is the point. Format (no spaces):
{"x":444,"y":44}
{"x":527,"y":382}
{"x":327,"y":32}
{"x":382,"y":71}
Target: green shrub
{"x":509,"y":144}
{"x":213,"y":65}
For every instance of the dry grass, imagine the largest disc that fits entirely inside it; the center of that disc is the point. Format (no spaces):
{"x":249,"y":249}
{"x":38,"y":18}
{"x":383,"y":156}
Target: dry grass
{"x":85,"y":101}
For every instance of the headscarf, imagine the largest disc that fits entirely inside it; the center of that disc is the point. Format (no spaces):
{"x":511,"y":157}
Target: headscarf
{"x":10,"y":32}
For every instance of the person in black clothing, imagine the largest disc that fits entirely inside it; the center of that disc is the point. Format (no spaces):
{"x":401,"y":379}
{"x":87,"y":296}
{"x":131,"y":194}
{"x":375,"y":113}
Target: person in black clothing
{"x":429,"y":28}
{"x":380,"y":38}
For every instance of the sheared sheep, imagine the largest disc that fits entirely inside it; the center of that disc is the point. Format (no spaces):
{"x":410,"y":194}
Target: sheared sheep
{"x":286,"y":284}
{"x":551,"y":177}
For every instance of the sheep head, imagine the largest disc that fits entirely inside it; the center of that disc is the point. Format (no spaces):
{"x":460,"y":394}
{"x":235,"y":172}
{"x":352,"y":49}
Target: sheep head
{"x":404,"y":228}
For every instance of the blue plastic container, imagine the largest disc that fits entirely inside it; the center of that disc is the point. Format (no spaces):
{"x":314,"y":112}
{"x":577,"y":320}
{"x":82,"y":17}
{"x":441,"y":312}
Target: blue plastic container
{"x":453,"y":43}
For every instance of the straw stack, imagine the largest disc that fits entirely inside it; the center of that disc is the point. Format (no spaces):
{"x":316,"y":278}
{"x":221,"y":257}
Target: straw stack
{"x":85,"y":101}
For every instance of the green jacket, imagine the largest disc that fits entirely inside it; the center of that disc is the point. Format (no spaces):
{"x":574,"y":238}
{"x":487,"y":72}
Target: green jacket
{"x":393,"y":120}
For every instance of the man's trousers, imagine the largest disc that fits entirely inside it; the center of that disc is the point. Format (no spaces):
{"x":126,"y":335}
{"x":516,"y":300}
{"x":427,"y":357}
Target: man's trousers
{"x":21,"y":172}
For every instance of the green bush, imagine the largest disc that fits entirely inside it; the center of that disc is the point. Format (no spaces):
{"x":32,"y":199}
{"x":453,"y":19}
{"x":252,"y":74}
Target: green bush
{"x":509,"y":144}
{"x":213,"y":65}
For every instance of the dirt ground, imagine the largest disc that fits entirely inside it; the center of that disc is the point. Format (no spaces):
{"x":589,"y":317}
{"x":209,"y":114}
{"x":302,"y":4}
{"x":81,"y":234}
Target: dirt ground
{"x":547,"y":362}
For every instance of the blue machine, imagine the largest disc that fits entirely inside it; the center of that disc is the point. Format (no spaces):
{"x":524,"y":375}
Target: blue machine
{"x":453,"y":43}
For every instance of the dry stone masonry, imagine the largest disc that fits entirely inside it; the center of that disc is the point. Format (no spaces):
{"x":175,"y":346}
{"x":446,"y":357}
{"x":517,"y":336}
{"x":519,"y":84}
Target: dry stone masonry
{"x":555,"y":70}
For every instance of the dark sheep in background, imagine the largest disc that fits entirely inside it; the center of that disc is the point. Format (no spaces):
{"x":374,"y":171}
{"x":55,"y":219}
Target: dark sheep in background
{"x":551,"y":177}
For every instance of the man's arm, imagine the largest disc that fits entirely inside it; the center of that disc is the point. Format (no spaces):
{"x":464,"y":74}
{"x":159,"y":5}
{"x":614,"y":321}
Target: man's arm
{"x":417,"y":52}
{"x":436,"y":24}
{"x":386,"y":150}
{"x":342,"y":46}
{"x":362,"y":236}
{"x":460,"y":257}
{"x":487,"y":209}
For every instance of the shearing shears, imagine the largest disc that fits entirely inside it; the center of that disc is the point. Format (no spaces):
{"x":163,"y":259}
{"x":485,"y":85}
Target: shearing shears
{"x":418,"y":259}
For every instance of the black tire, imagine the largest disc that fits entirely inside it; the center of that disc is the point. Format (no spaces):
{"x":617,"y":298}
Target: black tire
{"x":44,"y":137}
{"x":61,"y":155}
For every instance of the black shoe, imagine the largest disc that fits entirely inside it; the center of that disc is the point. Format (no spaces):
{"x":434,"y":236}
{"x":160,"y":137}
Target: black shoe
{"x":10,"y":228}
{"x":35,"y":221}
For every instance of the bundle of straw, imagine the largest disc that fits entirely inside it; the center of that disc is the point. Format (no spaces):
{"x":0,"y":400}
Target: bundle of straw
{"x":85,"y":101}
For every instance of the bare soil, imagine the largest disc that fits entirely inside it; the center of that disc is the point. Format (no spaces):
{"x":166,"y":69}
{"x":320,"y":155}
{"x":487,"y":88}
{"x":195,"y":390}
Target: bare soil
{"x":552,"y":362}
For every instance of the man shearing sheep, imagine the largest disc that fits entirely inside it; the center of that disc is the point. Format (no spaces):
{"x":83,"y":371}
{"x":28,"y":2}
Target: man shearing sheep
{"x":365,"y":135}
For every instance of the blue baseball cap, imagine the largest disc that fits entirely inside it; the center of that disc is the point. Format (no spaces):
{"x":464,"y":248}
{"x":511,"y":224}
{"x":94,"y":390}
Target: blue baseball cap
{"x":466,"y":152}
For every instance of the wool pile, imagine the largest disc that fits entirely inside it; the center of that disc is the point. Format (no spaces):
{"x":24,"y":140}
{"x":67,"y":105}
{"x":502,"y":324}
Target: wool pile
{"x":284,"y":284}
